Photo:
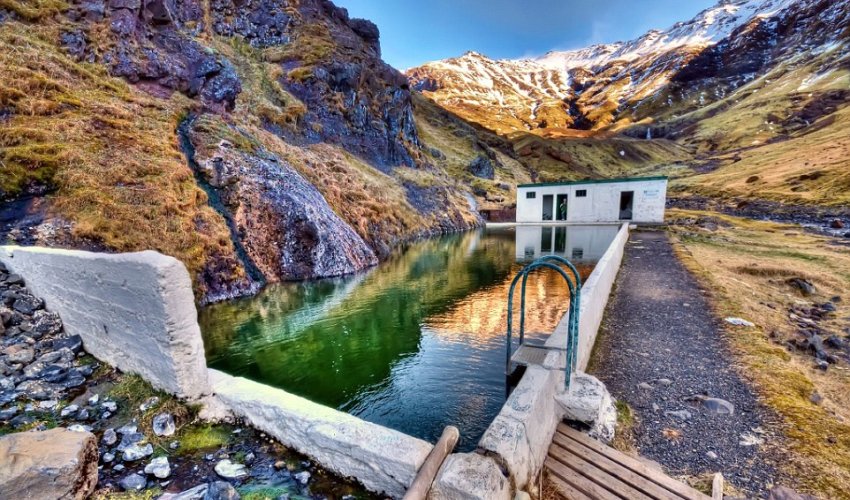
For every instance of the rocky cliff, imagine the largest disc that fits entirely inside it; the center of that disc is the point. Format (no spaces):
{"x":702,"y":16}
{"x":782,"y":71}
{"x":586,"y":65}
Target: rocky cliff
{"x":298,"y":153}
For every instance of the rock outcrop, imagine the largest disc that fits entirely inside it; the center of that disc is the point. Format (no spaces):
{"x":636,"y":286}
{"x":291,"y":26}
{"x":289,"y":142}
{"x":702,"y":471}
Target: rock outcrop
{"x":58,"y":463}
{"x":296,"y":76}
{"x":295,"y":234}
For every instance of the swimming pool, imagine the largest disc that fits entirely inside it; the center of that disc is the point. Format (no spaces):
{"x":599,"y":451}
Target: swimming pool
{"x":416,"y":343}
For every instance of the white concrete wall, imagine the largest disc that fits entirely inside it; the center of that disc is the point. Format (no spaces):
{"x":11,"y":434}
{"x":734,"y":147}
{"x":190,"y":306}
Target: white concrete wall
{"x":594,"y":298}
{"x":520,"y":435}
{"x":602,"y":203}
{"x":135,"y":311}
{"x":384,"y":460}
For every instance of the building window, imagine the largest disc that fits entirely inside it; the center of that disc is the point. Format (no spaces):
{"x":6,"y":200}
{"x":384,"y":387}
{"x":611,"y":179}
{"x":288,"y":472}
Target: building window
{"x":578,"y":253}
{"x":581,"y":193}
{"x":530,"y":195}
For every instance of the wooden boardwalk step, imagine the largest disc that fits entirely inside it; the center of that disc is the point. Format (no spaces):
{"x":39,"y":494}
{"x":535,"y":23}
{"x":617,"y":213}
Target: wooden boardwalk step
{"x":583,"y":468}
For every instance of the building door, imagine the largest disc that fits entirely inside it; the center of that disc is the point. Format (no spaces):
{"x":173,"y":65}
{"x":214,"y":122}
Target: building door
{"x":548,"y":207}
{"x":627,"y":199}
{"x":561,"y":205}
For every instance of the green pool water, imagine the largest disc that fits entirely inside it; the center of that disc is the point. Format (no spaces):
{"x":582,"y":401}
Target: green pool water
{"x":414,"y":344}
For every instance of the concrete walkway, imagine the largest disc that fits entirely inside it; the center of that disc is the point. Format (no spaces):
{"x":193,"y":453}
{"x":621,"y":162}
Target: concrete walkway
{"x":662,"y":351}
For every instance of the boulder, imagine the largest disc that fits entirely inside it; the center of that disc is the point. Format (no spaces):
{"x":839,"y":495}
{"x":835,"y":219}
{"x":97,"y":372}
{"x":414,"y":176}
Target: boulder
{"x":221,"y":490}
{"x":50,"y":464}
{"x":470,"y":476}
{"x":589,"y":402}
{"x":803,"y":285}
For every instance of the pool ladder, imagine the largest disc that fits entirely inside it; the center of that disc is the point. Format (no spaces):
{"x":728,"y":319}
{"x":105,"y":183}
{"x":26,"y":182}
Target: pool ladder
{"x":534,"y":353}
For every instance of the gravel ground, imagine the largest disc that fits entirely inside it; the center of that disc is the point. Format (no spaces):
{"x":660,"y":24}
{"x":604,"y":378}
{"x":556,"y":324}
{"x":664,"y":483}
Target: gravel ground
{"x":662,"y":351}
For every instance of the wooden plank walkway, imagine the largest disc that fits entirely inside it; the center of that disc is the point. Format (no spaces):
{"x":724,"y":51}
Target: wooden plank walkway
{"x":583,"y":468}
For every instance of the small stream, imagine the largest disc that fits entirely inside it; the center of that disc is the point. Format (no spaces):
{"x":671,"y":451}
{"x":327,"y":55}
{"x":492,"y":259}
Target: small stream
{"x":188,"y":149}
{"x":416,"y":343}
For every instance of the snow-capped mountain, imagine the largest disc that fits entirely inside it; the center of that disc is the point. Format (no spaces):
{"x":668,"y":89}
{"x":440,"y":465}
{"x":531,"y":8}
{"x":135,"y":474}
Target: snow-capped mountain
{"x":613,"y":85}
{"x":707,"y":28}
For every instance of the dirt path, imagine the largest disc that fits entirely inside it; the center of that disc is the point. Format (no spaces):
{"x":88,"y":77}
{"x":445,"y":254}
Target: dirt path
{"x":661,"y":350}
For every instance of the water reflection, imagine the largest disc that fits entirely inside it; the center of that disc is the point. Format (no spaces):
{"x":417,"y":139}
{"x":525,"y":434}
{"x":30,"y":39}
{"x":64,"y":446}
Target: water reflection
{"x":415,"y":344}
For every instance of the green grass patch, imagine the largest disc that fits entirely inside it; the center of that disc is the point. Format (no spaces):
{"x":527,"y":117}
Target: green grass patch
{"x":202,"y":438}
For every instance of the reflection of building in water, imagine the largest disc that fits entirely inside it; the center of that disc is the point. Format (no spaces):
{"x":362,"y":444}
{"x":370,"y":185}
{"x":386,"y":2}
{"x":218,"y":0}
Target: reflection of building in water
{"x":577,"y":243}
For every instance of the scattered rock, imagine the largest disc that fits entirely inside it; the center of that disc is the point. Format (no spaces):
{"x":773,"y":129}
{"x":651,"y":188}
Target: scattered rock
{"x":137,"y":452}
{"x":665,"y":381}
{"x":108,"y":457}
{"x":714,"y":405}
{"x":48,"y":405}
{"x":159,"y":467}
{"x":740,"y":322}
{"x":679,"y":414}
{"x":149,"y":403}
{"x":109,"y":437}
{"x":221,"y":490}
{"x":749,"y":439}
{"x":49,"y":464}
{"x":644,"y":386}
{"x":110,"y":406}
{"x":302,"y":477}
{"x":196,"y":493}
{"x":229,"y":470}
{"x":27,"y":304}
{"x":816,"y":398}
{"x":19,"y":353}
{"x":163,"y":424}
{"x":821,"y":364}
{"x":711,"y":455}
{"x":79,"y":428}
{"x":837,"y":224}
{"x":133,"y":482}
{"x":805,"y":286}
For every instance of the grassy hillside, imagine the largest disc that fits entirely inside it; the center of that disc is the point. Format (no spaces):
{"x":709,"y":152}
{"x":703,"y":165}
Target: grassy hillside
{"x":106,"y":151}
{"x":784,"y":137}
{"x":106,"y":157}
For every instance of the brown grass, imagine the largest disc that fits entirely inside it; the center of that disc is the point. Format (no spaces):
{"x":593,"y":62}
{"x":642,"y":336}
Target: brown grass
{"x":818,"y":436}
{"x":110,"y":152}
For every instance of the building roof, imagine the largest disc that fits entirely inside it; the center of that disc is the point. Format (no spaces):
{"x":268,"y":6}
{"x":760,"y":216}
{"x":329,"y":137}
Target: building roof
{"x":595,"y":181}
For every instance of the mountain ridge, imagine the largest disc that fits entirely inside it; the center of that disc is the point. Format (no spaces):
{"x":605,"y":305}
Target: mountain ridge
{"x":742,"y":76}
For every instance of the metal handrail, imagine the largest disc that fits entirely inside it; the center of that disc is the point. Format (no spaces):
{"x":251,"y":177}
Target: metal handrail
{"x":574,"y":306}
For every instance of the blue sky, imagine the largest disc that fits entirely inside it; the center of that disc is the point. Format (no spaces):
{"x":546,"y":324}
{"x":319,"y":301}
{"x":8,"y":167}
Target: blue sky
{"x":414,"y":32}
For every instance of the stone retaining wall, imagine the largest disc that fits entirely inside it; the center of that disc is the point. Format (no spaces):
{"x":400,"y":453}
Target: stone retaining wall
{"x":135,"y":311}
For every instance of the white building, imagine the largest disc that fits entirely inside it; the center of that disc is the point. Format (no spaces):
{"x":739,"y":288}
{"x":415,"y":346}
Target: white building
{"x":638,"y":199}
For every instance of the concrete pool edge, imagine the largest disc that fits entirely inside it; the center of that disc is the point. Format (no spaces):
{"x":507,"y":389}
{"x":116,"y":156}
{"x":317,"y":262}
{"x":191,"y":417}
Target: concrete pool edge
{"x":520,"y":435}
{"x":382,"y":459}
{"x":98,"y":297}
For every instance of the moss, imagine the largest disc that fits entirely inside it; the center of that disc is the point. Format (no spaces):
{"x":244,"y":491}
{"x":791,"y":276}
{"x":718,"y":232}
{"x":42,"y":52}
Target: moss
{"x":148,"y":494}
{"x":202,"y":438}
{"x":270,"y":493}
